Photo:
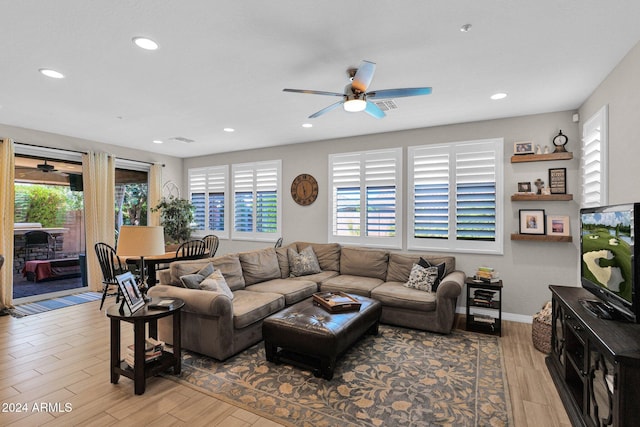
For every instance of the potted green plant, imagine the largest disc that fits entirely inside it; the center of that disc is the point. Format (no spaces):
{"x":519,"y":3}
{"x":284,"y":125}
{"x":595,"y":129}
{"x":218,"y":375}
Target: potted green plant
{"x":176,"y":216}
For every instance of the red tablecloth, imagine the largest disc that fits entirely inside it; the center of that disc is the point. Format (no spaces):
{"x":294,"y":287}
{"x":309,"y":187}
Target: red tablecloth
{"x":51,"y":268}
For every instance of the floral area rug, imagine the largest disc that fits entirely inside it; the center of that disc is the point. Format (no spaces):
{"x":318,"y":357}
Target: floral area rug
{"x":401,"y":377}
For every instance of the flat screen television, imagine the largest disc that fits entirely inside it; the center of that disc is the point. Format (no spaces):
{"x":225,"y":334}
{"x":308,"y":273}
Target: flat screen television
{"x":609,"y":262}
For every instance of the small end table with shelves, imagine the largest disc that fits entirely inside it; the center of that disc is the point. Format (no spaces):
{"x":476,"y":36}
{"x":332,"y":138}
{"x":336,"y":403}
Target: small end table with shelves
{"x":140,"y":318}
{"x":480,"y":322}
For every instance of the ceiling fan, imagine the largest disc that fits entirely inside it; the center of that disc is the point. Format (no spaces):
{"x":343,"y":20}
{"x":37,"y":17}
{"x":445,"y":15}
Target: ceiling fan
{"x":355,"y":96}
{"x":45,"y":167}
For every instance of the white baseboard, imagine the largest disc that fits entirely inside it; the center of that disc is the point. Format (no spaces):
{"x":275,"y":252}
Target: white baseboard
{"x":520,"y":318}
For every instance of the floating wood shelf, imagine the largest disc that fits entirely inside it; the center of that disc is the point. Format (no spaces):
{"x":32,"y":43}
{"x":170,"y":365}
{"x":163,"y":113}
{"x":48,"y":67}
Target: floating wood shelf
{"x":541,"y":197}
{"x":541,"y":237}
{"x":541,"y":157}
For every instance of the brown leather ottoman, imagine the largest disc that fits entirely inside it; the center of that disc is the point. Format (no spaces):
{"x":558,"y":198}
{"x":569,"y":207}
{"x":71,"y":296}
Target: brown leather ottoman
{"x":308,"y":335}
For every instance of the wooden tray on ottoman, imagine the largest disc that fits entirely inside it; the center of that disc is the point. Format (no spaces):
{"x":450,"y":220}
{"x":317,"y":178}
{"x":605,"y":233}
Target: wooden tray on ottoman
{"x":336,"y":302}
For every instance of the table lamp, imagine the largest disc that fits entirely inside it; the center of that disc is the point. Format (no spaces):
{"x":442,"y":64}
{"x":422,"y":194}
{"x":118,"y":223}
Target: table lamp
{"x":140,"y":241}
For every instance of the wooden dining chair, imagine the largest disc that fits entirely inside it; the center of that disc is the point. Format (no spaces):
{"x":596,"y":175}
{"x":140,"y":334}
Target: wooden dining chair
{"x":192,"y":249}
{"x":212,"y":242}
{"x":111,"y":266}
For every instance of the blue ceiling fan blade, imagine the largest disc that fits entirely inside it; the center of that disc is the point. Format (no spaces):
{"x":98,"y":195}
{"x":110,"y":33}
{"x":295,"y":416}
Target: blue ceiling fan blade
{"x":399,"y":93}
{"x":364,"y":75}
{"x":373,"y":110}
{"x":326,"y":109}
{"x":313,"y":92}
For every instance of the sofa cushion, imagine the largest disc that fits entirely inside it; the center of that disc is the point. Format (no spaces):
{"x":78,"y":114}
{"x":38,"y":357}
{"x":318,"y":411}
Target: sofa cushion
{"x":259,"y":265}
{"x":303,"y":263}
{"x":251,"y":307}
{"x":318,"y":277}
{"x":178,"y":269}
{"x":293,"y":290}
{"x":422,"y":278}
{"x":283,"y":262}
{"x":440,"y":274}
{"x":400,"y":265}
{"x":328,"y":254}
{"x":394,"y":294}
{"x":231,"y":269}
{"x":215,"y":282}
{"x":192,"y":281}
{"x":358,"y":285}
{"x":364,"y":262}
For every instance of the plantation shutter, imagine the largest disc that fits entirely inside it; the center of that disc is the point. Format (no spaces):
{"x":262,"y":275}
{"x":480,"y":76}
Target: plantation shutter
{"x":476,"y":195}
{"x":345,"y":175}
{"x":456,"y":193}
{"x":197,"y":191}
{"x":431,"y":192}
{"x":593,"y":163}
{"x":207,"y":192}
{"x":366,"y":197}
{"x":256,"y":200}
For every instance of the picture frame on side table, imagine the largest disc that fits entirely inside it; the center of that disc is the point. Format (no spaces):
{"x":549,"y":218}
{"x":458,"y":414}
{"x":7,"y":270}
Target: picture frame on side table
{"x":532,"y":221}
{"x":558,"y":225}
{"x":558,"y":180}
{"x":131,"y":293}
{"x":523,"y":147}
{"x":524,"y":187}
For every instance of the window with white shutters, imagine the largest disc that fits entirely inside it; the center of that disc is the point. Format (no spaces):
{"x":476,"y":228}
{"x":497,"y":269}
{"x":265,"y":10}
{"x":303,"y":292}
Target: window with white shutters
{"x":456,"y":197}
{"x":366,"y":198}
{"x":256,"y":200}
{"x":593,"y":163}
{"x":208,"y":194}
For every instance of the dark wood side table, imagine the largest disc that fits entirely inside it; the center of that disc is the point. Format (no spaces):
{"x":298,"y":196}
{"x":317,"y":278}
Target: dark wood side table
{"x":141,"y":369}
{"x":489,"y":324}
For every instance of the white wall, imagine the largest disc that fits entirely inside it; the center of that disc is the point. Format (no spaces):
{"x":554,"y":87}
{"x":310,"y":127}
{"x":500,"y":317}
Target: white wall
{"x":527,"y":268}
{"x":621,"y":91}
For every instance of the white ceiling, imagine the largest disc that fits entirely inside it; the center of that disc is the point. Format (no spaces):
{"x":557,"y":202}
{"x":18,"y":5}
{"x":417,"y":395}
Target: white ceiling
{"x":224,"y":64}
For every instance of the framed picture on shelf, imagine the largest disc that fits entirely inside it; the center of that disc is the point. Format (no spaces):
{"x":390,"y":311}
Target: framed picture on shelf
{"x":523,"y":147}
{"x":532,"y":221}
{"x":524,"y":187}
{"x":558,"y":225}
{"x":558,"y":180}
{"x":131,"y":293}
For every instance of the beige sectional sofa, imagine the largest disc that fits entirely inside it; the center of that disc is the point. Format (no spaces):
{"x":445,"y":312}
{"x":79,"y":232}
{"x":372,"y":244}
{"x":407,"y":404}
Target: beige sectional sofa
{"x":220,"y":324}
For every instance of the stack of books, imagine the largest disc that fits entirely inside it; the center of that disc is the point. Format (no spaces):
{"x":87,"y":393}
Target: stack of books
{"x":152,"y":351}
{"x":484,"y":319}
{"x":486,"y":274}
{"x":483,"y":298}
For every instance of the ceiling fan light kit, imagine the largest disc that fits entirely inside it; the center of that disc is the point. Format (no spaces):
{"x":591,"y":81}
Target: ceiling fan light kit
{"x":354,"y":97}
{"x":355,"y":105}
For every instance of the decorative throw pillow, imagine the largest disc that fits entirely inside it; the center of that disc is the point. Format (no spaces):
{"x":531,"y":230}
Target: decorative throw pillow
{"x":422,"y":278}
{"x":216,"y":282}
{"x":441,"y":271}
{"x":303,"y":263}
{"x":192,"y":281}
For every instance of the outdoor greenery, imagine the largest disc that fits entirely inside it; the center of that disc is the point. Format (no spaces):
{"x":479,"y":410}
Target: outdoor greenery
{"x":176,"y":216}
{"x":46,"y":204}
{"x":131,"y":209}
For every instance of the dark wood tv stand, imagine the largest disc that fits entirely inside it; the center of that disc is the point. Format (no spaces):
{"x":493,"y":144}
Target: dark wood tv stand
{"x":594,"y":363}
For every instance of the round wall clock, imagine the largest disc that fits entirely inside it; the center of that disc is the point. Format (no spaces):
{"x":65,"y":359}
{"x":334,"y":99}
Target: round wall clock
{"x":560,"y":140}
{"x":304,"y":189}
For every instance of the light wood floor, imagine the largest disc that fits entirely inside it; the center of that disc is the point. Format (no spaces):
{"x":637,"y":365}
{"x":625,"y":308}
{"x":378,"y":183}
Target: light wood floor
{"x":62,"y":358}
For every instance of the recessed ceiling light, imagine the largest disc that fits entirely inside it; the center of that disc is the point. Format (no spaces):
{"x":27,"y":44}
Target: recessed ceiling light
{"x":465,"y":28}
{"x":51,"y":73}
{"x":157,"y":141}
{"x":229,"y":129}
{"x":500,"y":95}
{"x":307,"y":125}
{"x":145,"y":43}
